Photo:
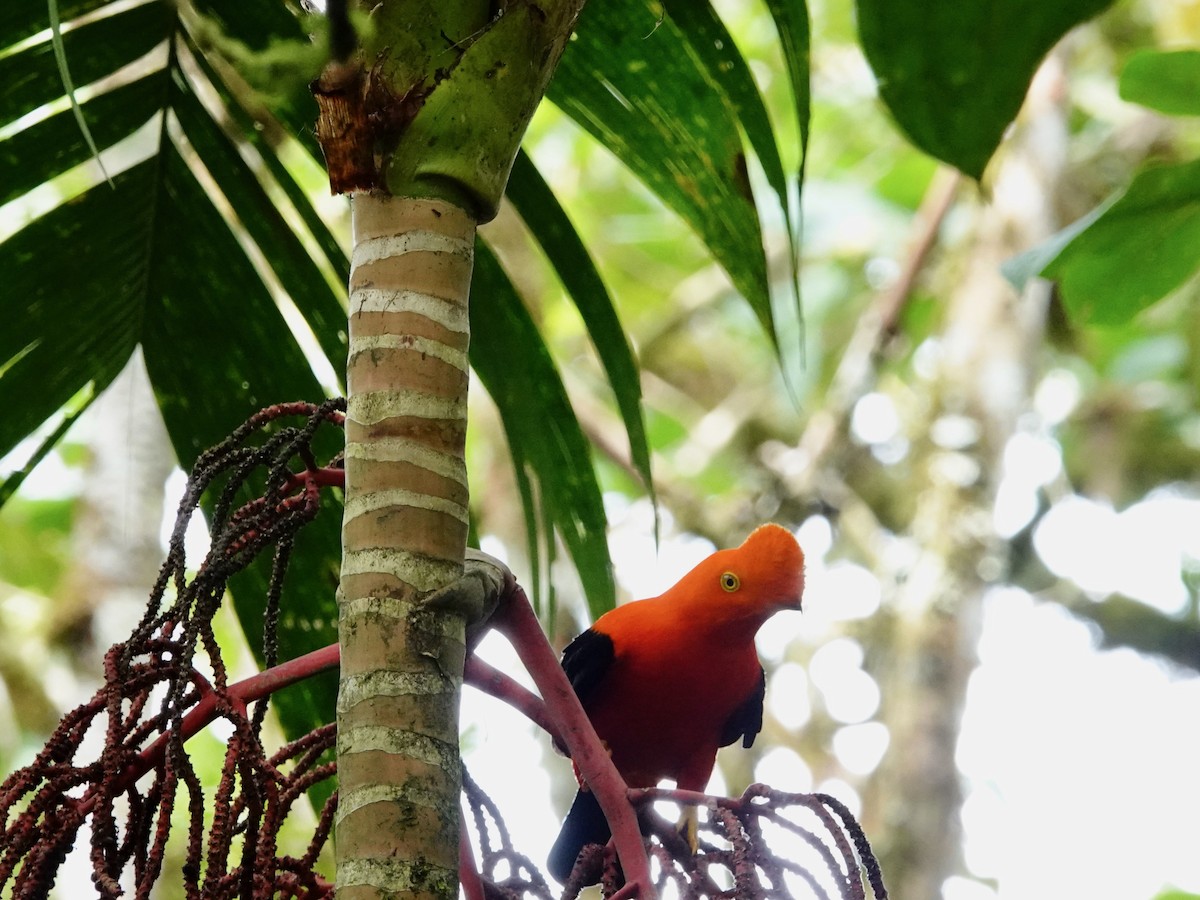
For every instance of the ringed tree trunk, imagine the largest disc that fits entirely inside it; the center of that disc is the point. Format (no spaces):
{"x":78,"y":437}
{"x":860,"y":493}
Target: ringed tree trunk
{"x":421,"y":126}
{"x":403,"y":536}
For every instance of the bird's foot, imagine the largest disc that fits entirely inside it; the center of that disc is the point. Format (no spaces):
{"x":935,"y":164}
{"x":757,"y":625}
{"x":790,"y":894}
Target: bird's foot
{"x":688,"y":827}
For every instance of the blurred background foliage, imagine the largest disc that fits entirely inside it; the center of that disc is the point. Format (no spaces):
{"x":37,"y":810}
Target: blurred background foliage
{"x":948,"y":443}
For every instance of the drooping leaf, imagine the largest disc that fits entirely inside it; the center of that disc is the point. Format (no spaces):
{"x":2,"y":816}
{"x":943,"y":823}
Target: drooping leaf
{"x":953,"y":75}
{"x":635,"y":83}
{"x":553,"y":230}
{"x":544,"y":437}
{"x":19,"y":21}
{"x":251,"y":131}
{"x":31,"y":78}
{"x":243,"y":368}
{"x":64,"y":74}
{"x":291,"y":261}
{"x":792,"y":26}
{"x":725,"y":67}
{"x":79,"y":326}
{"x":1033,"y":261}
{"x":1138,"y":251}
{"x":56,"y":144}
{"x":1165,"y":81}
{"x":729,"y":71}
{"x":209,"y":377}
{"x":791,"y":23}
{"x":155,"y":260}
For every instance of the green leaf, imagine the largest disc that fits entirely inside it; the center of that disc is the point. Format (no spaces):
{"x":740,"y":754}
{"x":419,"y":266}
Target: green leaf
{"x":544,"y":437}
{"x":327,"y":320}
{"x":715,"y":49}
{"x":259,"y":213}
{"x":1168,"y":82}
{"x":64,"y":74}
{"x":56,"y":144}
{"x":78,"y":326}
{"x":725,"y":67}
{"x":954,"y":74}
{"x":20,"y":21}
{"x":553,"y":230}
{"x":209,"y":378}
{"x":31,"y":78}
{"x":635,"y":83}
{"x":1033,"y":261}
{"x":791,"y":23}
{"x":1135,"y":253}
{"x":154,"y":260}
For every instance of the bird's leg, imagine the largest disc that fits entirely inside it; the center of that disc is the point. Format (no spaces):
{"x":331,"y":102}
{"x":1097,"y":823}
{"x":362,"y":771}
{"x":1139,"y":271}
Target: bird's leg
{"x":688,"y":827}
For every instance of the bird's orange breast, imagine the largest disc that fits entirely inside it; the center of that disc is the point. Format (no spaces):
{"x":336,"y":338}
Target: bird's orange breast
{"x":664,"y":702}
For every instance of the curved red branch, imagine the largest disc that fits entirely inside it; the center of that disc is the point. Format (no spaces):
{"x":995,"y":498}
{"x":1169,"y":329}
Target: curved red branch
{"x":468,"y":871}
{"x":325,"y":476}
{"x":208,"y":708}
{"x":558,"y":712}
{"x":516,"y":620}
{"x":492,"y":681}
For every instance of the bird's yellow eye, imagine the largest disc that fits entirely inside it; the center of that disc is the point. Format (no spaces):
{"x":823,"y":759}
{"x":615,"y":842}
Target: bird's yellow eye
{"x":730,"y":582}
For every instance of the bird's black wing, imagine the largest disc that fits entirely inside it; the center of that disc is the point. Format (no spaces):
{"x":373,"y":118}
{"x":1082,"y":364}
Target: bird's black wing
{"x":746,"y":721}
{"x":585,"y":661}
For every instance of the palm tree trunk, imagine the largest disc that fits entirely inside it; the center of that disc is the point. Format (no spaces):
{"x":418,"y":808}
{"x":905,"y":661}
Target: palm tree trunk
{"x":438,"y":113}
{"x":404,"y":535}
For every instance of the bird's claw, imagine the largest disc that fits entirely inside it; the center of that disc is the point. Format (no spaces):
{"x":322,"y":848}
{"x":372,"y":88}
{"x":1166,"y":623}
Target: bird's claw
{"x":688,"y":827}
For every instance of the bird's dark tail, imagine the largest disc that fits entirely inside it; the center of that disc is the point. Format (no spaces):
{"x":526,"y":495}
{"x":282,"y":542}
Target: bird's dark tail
{"x":584,"y":824}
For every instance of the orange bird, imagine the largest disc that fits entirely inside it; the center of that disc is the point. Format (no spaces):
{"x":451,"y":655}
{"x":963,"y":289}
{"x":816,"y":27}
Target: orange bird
{"x":668,"y":680}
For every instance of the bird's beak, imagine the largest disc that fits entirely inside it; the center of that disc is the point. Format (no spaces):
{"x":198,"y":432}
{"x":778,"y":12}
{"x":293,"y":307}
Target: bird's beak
{"x":795,"y":598}
{"x":792,"y":599}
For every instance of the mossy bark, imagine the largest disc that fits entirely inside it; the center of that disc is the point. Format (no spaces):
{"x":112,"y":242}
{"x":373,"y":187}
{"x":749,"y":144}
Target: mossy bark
{"x":422,"y":125}
{"x":404,"y":535}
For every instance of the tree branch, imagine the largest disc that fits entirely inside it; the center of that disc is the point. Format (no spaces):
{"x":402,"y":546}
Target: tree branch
{"x":491,"y":680}
{"x":875,"y":328}
{"x":559,"y":714}
{"x":1125,"y":622}
{"x":516,"y":620}
{"x":209,"y":706}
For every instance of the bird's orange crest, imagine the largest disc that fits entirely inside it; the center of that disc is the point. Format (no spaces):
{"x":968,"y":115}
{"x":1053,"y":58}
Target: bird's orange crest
{"x":771,"y":563}
{"x":763,"y":575}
